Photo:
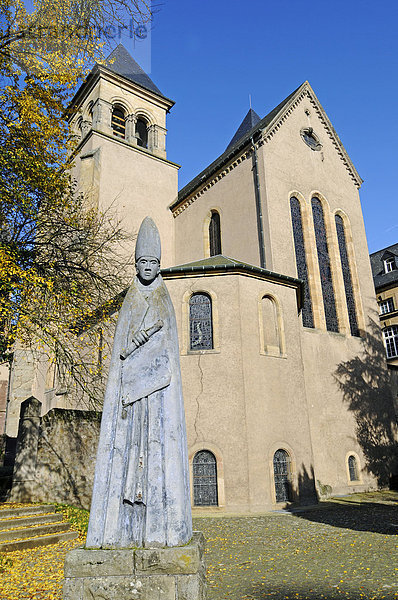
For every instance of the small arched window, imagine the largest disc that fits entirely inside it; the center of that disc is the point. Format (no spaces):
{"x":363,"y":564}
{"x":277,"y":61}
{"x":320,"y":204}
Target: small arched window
{"x":282,"y":476}
{"x":353,"y":468}
{"x":141,"y":133}
{"x":118,"y":122}
{"x":200,"y":322}
{"x":205,"y":479}
{"x":215,"y":234}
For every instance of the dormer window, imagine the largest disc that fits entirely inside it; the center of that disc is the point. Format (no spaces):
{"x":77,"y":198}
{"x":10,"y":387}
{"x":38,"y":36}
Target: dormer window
{"x":141,"y":133}
{"x":119,"y":122}
{"x":389,"y":264}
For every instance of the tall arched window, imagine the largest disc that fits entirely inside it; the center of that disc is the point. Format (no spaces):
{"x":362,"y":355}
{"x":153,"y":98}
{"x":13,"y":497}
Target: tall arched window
{"x":329,"y":302}
{"x":141,"y":133}
{"x":282,"y":476}
{"x":215,"y":234}
{"x":205,"y":479}
{"x":200,"y":322}
{"x":345,"y":266}
{"x":353,"y":468}
{"x":301,"y":260}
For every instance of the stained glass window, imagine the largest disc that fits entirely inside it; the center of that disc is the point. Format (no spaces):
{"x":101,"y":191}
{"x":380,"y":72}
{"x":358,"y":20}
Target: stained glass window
{"x":200,"y":322}
{"x":325,"y":270}
{"x":345,"y":266}
{"x":215,"y":234}
{"x":301,"y":261}
{"x":205,"y":479}
{"x":282,"y":476}
{"x":353,"y":468}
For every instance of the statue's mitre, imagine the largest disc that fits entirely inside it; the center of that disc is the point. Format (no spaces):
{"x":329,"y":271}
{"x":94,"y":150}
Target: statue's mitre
{"x":148,"y":240}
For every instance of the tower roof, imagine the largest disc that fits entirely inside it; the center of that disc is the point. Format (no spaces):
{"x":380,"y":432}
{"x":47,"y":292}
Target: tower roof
{"x":250,"y":121}
{"x":121,"y":62}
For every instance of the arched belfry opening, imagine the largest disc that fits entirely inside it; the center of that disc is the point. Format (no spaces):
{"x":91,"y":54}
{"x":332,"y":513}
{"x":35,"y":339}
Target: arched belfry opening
{"x":215,"y":233}
{"x":119,"y":121}
{"x":141,"y":132}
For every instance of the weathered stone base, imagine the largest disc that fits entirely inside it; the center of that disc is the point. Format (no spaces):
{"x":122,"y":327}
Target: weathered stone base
{"x":137,"y":574}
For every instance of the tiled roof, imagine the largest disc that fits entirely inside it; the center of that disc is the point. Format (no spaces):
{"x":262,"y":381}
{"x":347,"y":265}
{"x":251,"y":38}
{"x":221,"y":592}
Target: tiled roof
{"x":250,"y":121}
{"x":122,"y":63}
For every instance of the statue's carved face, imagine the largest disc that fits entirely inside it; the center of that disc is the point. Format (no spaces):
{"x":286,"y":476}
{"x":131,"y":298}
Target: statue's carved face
{"x":148,"y":268}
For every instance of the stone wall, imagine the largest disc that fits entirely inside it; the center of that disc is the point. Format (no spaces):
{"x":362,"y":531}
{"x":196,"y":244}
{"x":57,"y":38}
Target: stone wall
{"x":56,"y":454}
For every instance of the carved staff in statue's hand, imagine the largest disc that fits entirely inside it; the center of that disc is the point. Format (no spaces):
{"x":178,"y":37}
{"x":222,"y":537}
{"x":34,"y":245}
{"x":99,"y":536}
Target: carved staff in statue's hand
{"x":140,"y":338}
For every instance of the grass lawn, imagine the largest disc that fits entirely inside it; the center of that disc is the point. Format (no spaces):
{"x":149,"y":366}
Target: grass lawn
{"x":345,"y":548}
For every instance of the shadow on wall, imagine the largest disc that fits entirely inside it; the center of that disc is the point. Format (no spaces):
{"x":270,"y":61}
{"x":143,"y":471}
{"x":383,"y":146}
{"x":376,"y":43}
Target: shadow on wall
{"x":366,"y":387}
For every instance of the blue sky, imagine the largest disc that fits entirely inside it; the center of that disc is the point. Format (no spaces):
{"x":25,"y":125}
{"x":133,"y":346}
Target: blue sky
{"x":209,"y":56}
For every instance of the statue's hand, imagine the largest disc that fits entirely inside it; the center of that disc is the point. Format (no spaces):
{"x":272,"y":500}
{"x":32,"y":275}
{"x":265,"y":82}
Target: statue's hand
{"x":140,"y":338}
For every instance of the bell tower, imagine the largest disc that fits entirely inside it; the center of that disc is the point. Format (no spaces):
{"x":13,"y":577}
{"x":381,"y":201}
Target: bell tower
{"x":121,"y":164}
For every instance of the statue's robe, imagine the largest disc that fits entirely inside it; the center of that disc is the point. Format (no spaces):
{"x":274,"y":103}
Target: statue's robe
{"x":141,"y":487}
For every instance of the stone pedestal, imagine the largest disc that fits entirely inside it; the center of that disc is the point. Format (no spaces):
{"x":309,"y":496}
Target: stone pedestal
{"x":137,"y":573}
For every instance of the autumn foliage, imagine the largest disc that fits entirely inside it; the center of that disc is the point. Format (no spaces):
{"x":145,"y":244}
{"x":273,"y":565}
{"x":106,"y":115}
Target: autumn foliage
{"x":60,"y":258}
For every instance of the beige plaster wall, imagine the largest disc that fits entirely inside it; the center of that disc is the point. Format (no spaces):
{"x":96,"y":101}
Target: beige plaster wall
{"x":233,"y":197}
{"x":138,"y":184}
{"x":240,"y":403}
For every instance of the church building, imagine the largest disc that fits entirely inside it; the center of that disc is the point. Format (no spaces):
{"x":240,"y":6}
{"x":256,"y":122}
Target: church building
{"x":265,"y":258}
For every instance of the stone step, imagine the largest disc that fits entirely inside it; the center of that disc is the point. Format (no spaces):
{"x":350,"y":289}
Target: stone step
{"x":28,"y":521}
{"x":38,"y":509}
{"x":30,"y":532}
{"x":38,"y":541}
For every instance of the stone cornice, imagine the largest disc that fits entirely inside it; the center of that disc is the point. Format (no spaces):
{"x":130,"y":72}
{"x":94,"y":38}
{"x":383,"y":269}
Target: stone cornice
{"x":124,"y":142}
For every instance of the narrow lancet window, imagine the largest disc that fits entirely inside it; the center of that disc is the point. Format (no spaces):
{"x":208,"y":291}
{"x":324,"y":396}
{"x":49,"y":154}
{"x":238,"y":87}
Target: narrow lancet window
{"x":200,"y":322}
{"x":329,"y":302}
{"x":301,"y":261}
{"x":345,"y":266}
{"x":215,"y":234}
{"x":205,"y":479}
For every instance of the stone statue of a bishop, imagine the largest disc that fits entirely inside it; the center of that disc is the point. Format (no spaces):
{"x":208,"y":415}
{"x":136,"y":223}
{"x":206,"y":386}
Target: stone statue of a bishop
{"x":141,"y":492}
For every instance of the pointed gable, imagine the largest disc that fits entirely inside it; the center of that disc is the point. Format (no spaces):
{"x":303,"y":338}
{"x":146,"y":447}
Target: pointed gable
{"x":267,"y":127}
{"x":250,"y":121}
{"x":122,"y":63}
